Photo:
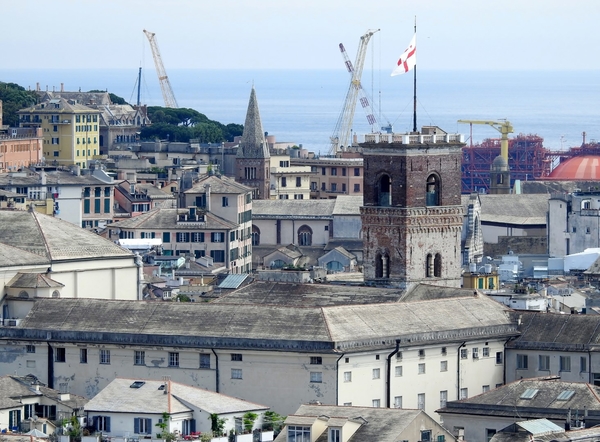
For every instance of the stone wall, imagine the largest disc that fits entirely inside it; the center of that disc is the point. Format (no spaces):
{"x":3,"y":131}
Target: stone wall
{"x":517,"y":244}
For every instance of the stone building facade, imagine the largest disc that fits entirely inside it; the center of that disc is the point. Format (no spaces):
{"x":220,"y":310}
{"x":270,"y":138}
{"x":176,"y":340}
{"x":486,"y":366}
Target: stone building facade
{"x":412,"y":215}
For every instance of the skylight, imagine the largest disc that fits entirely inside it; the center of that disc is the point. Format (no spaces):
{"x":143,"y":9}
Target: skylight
{"x":565,"y":395}
{"x":137,"y":384}
{"x":529,"y":393}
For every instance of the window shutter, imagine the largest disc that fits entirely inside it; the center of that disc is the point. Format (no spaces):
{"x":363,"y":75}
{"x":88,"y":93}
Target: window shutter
{"x":148,"y":426}
{"x":107,"y":423}
{"x":192,"y":425}
{"x":136,"y":425}
{"x":27,"y":411}
{"x":96,"y":423}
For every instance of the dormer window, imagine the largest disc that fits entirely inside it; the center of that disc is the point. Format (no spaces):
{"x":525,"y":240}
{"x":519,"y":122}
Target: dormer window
{"x":298,"y":434}
{"x":335,"y":435}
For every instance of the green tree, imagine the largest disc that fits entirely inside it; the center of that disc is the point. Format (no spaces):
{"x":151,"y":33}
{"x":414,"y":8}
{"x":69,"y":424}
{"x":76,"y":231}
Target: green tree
{"x":14,"y":98}
{"x":217,"y":424}
{"x":248,"y":420}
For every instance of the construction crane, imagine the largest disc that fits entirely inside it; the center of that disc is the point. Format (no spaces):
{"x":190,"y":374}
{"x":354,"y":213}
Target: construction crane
{"x":504,"y":127}
{"x":165,"y":85}
{"x":343,"y":130}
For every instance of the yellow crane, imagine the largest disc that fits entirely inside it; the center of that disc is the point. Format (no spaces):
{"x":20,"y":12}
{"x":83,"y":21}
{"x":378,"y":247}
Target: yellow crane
{"x":504,"y":127}
{"x":165,"y":85}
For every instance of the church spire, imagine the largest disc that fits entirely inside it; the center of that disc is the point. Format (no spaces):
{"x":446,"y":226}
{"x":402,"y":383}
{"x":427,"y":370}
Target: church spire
{"x":253,"y":143}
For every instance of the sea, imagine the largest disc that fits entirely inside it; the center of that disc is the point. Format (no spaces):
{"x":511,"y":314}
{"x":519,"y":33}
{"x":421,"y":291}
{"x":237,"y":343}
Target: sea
{"x":303,"y":107}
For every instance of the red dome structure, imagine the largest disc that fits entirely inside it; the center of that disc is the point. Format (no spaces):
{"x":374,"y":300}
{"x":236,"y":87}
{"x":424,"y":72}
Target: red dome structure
{"x":578,"y":168}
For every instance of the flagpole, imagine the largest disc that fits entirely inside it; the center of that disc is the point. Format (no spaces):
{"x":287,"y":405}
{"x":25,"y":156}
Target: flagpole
{"x":415,"y":91}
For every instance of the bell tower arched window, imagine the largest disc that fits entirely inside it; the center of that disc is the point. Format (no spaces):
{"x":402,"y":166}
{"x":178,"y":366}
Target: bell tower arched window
{"x":437,"y":266}
{"x":433,"y":190}
{"x":382,"y":265}
{"x":255,"y":236}
{"x":384,"y":191}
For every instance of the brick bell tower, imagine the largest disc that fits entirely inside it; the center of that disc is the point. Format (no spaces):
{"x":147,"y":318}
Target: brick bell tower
{"x":412,"y":214}
{"x":253,"y":159}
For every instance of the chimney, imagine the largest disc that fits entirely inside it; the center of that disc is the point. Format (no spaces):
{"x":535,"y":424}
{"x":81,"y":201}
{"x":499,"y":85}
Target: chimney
{"x":207,"y":187}
{"x":62,"y":87}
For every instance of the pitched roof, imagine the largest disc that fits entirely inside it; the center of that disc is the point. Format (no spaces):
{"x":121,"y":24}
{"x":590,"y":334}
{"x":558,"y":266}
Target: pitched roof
{"x":13,"y":256}
{"x":121,"y":397}
{"x":33,"y":280}
{"x":553,"y":331}
{"x":522,"y":209}
{"x":347,"y":327}
{"x":376,"y":424}
{"x":530,"y":398}
{"x":58,"y":106}
{"x":164,"y":218}
{"x":348,"y":205}
{"x":307,"y":209}
{"x":13,"y":388}
{"x":53,"y":238}
{"x":253,"y":143}
{"x":218,"y":184}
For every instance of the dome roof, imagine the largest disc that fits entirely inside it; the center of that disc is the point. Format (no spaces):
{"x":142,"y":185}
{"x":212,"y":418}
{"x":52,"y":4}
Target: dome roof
{"x":585,"y":167}
{"x":499,"y":163}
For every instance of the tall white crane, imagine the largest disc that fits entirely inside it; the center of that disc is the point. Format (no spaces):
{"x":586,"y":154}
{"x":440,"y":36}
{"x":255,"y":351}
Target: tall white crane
{"x":341,"y":137}
{"x":165,"y":85}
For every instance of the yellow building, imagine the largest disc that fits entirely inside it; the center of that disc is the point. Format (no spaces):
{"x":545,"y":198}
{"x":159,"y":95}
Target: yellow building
{"x":70,"y":130}
{"x":484,"y":278}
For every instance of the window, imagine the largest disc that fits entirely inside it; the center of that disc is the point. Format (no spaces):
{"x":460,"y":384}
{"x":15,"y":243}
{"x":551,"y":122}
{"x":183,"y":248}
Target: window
{"x":173,"y":359}
{"x":398,"y":370}
{"x":316,"y":376}
{"x":236,"y":373}
{"x":61,"y":355}
{"x":443,"y":365}
{"x":218,"y":255}
{"x":356,"y":171}
{"x":421,"y":401}
{"x":356,"y":188}
{"x":142,"y":425}
{"x":344,"y":187}
{"x":376,"y":403}
{"x":543,"y":362}
{"x":463,"y":353}
{"x":323,"y":186}
{"x":139,"y":358}
{"x":425,"y":435}
{"x":298,"y":181}
{"x":397,"y":401}
{"x":444,"y":351}
{"x":421,"y":368}
{"x":298,"y":434}
{"x":347,"y":376}
{"x":421,"y":353}
{"x":489,"y":433}
{"x":322,"y":171}
{"x":486,"y":352}
{"x":565,"y":363}
{"x":283,"y":181}
{"x":305,"y":236}
{"x":475,"y":353}
{"x":522,"y":362}
{"x":217,"y":237}
{"x":582,"y":364}
{"x":485,"y":388}
{"x":376,"y":373}
{"x":236,"y":357}
{"x":433,"y":191}
{"x":102,"y":423}
{"x":166,"y":236}
{"x":443,"y":398}
{"x":343,"y":171}
{"x":204,"y":360}
{"x":334,"y":435}
{"x":30,"y":348}
{"x":316,"y":360}
{"x":225,"y":201}
{"x":105,"y":357}
{"x":333,"y":171}
{"x":464,"y":393}
{"x":334,"y":187}
{"x":86,"y":206}
{"x":197,"y":236}
{"x":499,"y":357}
{"x":83,"y":355}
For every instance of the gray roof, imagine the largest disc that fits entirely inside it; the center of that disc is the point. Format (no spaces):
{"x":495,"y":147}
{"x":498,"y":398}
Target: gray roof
{"x":553,"y":331}
{"x":58,"y":106}
{"x":120,"y":397}
{"x":166,"y":219}
{"x":308,"y":209}
{"x":53,"y":178}
{"x":519,"y":209}
{"x":253,"y":143}
{"x":33,"y":280}
{"x":13,"y":388}
{"x":343,"y":327}
{"x":543,"y":401}
{"x":218,"y":184}
{"x":376,"y":424}
{"x":348,"y":205}
{"x":13,"y":256}
{"x":53,"y":238}
{"x":87,"y":98}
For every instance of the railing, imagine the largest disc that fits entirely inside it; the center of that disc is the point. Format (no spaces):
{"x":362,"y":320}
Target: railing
{"x":414,"y":139}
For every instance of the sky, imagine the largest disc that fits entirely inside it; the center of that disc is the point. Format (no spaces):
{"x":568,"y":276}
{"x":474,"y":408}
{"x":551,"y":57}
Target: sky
{"x":299,"y":34}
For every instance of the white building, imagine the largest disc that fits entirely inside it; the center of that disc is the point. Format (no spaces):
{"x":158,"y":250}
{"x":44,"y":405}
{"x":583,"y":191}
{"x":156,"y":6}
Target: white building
{"x":133,"y":407}
{"x":388,"y":348}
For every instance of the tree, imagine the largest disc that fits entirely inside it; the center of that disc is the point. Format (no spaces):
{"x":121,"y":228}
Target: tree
{"x":273,"y":421}
{"x":217,"y":424}
{"x":248,"y":420}
{"x":14,"y":98}
{"x":72,"y":428}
